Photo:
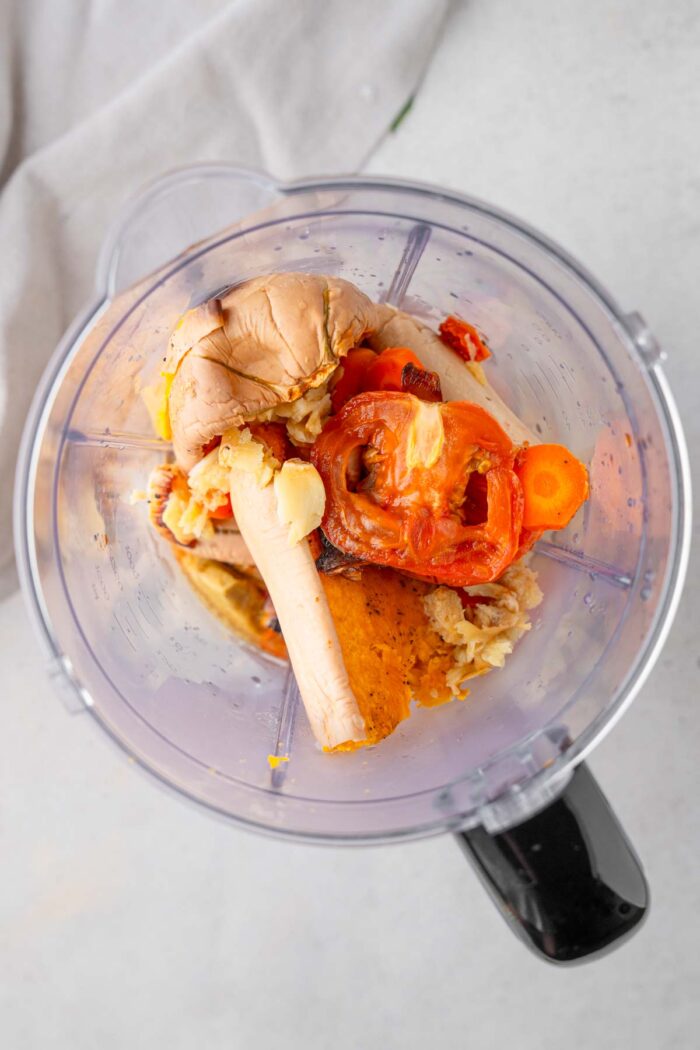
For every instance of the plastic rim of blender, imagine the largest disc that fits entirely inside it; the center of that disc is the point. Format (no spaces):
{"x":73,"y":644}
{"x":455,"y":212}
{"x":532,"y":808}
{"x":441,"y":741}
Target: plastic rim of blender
{"x":518,"y":798}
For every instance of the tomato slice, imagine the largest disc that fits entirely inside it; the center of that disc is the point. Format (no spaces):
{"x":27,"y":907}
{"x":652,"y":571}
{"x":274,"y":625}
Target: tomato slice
{"x":429,"y":489}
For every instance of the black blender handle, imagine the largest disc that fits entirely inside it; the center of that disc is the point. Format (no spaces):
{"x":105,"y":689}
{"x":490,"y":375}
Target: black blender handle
{"x":567,"y":880}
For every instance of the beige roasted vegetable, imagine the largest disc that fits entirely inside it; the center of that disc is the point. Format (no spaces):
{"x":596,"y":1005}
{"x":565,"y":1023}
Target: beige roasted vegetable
{"x":264,"y":343}
{"x":485,"y":630}
{"x":302,"y":609}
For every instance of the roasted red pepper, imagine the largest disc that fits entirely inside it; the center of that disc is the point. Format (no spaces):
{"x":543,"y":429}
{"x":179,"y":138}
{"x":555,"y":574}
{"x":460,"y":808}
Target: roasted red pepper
{"x":223,"y":512}
{"x":396,"y":368}
{"x":429,"y":489}
{"x":464,"y":339}
{"x":385,"y":372}
{"x":351,"y":375}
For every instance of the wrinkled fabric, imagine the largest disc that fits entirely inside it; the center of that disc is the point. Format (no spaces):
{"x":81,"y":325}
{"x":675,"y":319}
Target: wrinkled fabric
{"x":96,"y":99}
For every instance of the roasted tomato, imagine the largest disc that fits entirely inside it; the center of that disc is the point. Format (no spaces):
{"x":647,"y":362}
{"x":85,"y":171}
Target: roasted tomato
{"x":426,"y":488}
{"x":528,"y":538}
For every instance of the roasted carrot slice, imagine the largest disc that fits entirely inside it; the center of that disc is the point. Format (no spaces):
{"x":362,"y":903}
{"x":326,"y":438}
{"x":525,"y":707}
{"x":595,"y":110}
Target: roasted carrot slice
{"x":555,"y":484}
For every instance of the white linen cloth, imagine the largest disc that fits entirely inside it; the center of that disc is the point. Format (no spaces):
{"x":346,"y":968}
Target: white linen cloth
{"x":98,"y":98}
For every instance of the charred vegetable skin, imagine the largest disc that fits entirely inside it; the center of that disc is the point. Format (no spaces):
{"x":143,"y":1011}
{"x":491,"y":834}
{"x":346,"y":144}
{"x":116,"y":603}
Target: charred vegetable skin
{"x":429,"y":489}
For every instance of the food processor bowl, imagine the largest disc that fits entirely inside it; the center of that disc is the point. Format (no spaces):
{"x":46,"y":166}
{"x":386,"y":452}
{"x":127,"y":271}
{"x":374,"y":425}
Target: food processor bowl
{"x":130,"y":644}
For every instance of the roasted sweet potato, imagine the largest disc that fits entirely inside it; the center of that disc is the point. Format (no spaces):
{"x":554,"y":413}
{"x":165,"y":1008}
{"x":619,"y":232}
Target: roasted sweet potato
{"x":390,"y":651}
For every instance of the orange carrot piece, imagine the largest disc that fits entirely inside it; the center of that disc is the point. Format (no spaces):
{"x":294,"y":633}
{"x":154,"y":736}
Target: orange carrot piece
{"x":555,"y":484}
{"x":464,"y":339}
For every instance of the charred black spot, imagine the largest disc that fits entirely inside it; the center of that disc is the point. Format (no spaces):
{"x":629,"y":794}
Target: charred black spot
{"x":332,"y":561}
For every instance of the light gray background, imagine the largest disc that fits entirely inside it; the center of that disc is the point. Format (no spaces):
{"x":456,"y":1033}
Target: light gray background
{"x":129,"y":919}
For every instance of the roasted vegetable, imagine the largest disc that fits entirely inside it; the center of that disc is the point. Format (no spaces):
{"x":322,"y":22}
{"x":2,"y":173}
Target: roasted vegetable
{"x":262,"y":344}
{"x":302,"y":610}
{"x":435,"y":495}
{"x":293,"y":399}
{"x":350,"y":376}
{"x":237,"y":597}
{"x":555,"y":484}
{"x":464,"y":339}
{"x":390,"y":651}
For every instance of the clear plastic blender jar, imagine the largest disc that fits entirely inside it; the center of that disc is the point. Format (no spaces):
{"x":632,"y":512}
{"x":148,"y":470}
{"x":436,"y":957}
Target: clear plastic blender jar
{"x":129,"y":643}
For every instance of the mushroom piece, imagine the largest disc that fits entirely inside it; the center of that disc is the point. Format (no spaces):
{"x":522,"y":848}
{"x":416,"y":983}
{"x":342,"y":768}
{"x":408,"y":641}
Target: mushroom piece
{"x":262,"y":344}
{"x":302,"y":609}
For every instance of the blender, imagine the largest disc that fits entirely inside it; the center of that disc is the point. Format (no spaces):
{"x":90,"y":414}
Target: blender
{"x":131,"y":645}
